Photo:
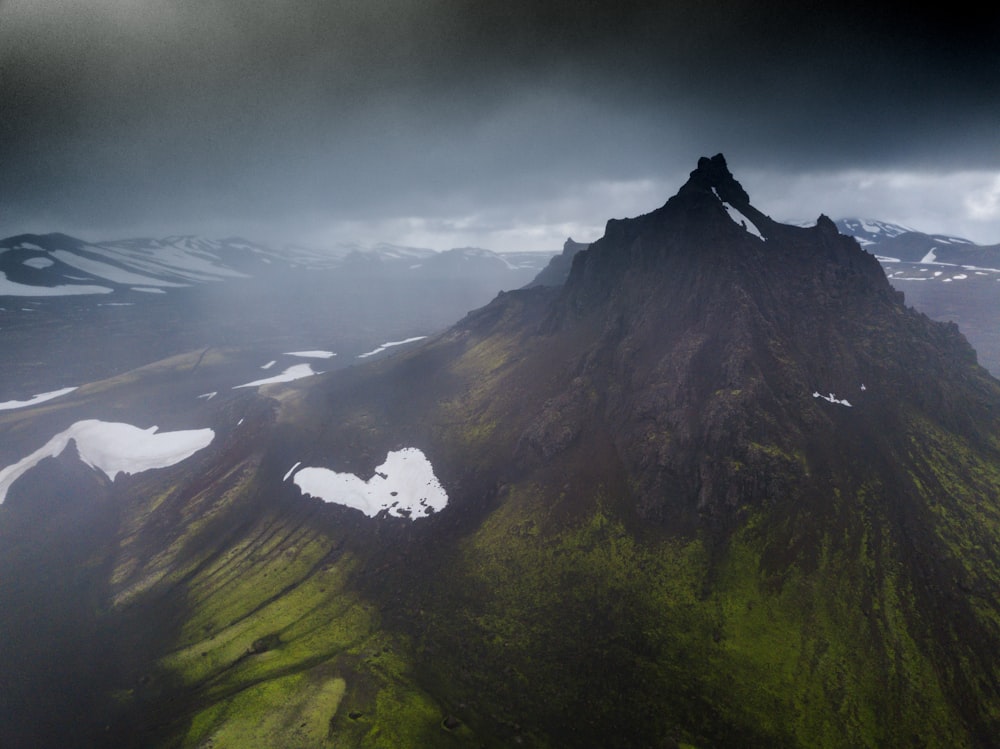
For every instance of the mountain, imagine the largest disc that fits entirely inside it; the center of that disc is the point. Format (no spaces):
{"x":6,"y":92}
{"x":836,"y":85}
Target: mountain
{"x":721,"y":488}
{"x":869,"y":231}
{"x":948,"y":278}
{"x":33,"y":265}
{"x":557,"y":271}
{"x":903,"y":244}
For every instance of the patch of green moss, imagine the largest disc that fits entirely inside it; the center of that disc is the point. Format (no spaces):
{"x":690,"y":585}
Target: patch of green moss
{"x":825,"y":656}
{"x":643,"y":639}
{"x":585,"y":635}
{"x":291,"y":711}
{"x":278,"y":650}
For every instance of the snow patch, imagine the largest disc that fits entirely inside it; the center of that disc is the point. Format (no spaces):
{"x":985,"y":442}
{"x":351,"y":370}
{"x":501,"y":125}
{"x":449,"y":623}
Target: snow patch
{"x":389,"y":344}
{"x":739,"y":219}
{"x":148,"y":290}
{"x":114,"y":448}
{"x":831,"y":398}
{"x":311,"y":354}
{"x":108,"y":272}
{"x":296,"y":372}
{"x":40,"y":398}
{"x":404,"y":486}
{"x":39,"y":262}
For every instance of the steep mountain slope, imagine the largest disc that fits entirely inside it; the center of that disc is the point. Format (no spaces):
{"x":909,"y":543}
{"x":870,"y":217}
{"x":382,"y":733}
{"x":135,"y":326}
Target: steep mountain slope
{"x":722,"y":488}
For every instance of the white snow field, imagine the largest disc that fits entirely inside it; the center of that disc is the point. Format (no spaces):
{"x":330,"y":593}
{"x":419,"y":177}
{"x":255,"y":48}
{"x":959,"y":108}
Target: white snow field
{"x":295,"y":372}
{"x":109,"y":272}
{"x":114,"y":448}
{"x":40,"y":398}
{"x":390,"y":344}
{"x":311,"y":354}
{"x":404,"y":485}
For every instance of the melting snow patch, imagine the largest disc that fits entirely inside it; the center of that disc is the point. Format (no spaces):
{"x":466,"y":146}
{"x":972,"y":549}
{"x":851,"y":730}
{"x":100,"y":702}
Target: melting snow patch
{"x":209,"y":396}
{"x":150,"y":289}
{"x":108,"y":272}
{"x":269,"y":364}
{"x":291,"y":470}
{"x":114,"y":448}
{"x":39,"y":262}
{"x":296,"y":372}
{"x":389,"y":344}
{"x":404,"y":486}
{"x":311,"y":354}
{"x":831,"y":398}
{"x":40,"y":398}
{"x":738,"y":218}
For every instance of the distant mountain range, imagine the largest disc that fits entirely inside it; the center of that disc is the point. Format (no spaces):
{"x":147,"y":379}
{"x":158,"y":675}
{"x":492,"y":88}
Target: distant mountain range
{"x":946,"y":277}
{"x":35,"y":265}
{"x":898,"y":243}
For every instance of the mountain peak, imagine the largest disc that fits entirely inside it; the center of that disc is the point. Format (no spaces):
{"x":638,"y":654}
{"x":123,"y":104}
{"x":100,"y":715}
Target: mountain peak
{"x":713,"y":175}
{"x":710,"y":229}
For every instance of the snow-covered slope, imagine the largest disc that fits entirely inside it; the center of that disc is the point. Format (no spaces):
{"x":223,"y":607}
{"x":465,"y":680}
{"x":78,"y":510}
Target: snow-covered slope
{"x":60,"y":265}
{"x":895,"y":242}
{"x":869,"y":231}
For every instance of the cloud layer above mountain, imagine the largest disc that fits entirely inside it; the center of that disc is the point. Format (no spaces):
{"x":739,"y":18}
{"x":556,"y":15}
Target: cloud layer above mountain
{"x":506,"y":124}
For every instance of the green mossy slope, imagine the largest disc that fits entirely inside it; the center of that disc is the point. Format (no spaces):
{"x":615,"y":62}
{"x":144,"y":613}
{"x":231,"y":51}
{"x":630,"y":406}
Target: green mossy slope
{"x":588,"y":635}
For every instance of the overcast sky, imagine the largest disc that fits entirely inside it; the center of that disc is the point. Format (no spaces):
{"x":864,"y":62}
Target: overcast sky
{"x":506,"y":124}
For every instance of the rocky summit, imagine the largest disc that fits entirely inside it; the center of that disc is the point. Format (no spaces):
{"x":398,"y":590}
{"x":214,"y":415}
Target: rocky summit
{"x":721,"y":488}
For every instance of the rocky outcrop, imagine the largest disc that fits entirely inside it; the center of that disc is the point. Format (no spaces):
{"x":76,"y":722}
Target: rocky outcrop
{"x":557,"y":271}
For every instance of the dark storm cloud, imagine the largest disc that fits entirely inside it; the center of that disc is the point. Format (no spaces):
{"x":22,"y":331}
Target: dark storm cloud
{"x":288,"y":117}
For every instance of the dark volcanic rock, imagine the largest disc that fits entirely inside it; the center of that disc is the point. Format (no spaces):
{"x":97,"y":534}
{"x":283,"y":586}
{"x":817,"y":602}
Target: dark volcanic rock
{"x":558,"y":268}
